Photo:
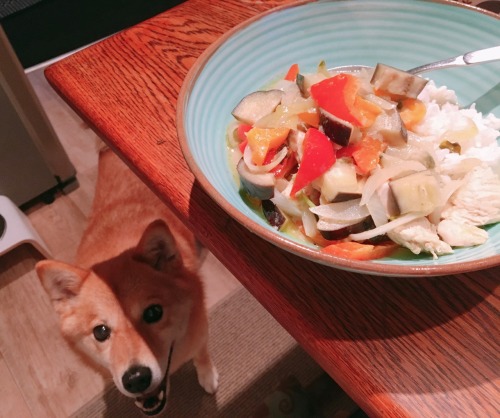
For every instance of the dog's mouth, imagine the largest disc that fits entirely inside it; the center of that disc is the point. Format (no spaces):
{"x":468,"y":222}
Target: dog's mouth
{"x":154,"y":402}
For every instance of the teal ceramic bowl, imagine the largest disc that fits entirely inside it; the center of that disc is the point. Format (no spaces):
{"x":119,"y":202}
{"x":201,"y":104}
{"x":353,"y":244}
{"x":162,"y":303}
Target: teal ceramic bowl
{"x":400,"y":33}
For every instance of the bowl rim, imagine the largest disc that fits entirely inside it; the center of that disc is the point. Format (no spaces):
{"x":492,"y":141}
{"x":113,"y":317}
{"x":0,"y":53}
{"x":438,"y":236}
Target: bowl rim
{"x":280,"y":240}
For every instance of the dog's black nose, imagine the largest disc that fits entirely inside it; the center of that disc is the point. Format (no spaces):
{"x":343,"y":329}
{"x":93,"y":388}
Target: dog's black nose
{"x":136,"y":379}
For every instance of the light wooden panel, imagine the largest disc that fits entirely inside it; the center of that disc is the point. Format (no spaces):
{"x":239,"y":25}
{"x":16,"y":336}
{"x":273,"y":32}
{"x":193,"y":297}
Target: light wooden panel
{"x":13,"y":404}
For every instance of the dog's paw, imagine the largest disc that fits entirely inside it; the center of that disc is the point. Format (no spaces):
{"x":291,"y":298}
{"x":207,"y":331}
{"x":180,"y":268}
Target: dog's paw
{"x":209,"y":379}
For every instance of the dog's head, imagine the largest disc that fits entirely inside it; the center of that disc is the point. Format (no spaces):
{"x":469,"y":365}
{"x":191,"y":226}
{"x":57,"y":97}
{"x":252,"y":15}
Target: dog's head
{"x":127,"y":312}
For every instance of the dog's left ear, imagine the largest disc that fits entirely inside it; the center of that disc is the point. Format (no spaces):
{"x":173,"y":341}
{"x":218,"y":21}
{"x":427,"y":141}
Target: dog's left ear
{"x":157,"y":247}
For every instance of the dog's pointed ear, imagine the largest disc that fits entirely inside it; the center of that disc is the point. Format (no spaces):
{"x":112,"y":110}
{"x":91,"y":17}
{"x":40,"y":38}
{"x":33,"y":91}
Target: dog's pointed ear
{"x":157,"y":247}
{"x":61,"y":281}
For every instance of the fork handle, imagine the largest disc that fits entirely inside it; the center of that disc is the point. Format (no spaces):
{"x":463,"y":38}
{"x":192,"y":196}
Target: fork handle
{"x":470,"y":58}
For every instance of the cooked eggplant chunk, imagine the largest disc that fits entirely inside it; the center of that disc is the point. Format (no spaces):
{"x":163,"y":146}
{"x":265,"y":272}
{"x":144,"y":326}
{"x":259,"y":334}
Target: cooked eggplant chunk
{"x":338,"y":130}
{"x":392,"y":129}
{"x":342,"y":233}
{"x":344,"y":197}
{"x":340,"y":179}
{"x":273,"y":214}
{"x":260,"y":186}
{"x":257,"y":105}
{"x":408,"y":153}
{"x":397,"y":82}
{"x":417,"y":192}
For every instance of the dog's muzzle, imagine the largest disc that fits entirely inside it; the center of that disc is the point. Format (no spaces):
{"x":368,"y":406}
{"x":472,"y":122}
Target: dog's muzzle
{"x":154,"y":402}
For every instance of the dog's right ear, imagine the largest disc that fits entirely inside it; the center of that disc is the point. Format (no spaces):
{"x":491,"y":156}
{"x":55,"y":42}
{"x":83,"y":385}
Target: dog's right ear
{"x":157,"y":247}
{"x":60,"y":280}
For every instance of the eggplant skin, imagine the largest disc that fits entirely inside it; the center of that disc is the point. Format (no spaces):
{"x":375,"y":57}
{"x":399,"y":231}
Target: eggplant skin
{"x":342,"y":233}
{"x":338,"y":130}
{"x":344,"y":197}
{"x":257,"y":105}
{"x":254,"y":184}
{"x":301,"y":84}
{"x":397,"y":82}
{"x":272,"y":214}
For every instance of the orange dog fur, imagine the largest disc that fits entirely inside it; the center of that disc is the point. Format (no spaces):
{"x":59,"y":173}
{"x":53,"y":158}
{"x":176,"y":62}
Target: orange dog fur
{"x":133,"y":302}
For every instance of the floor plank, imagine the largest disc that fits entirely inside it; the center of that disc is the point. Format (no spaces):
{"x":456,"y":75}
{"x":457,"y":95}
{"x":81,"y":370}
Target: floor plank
{"x":13,"y":403}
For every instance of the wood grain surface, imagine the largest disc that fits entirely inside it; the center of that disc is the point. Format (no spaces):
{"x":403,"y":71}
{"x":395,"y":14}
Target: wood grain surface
{"x":399,"y":347}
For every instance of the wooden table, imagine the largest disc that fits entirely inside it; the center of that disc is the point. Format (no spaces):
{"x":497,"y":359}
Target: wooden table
{"x":399,"y":347}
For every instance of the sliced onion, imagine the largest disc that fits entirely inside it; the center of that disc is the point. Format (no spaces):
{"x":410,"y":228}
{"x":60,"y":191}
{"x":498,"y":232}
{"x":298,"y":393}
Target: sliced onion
{"x":342,"y":212}
{"x":301,"y":105}
{"x":393,"y":155}
{"x":280,"y":118}
{"x":292,"y":93}
{"x":309,"y":223}
{"x":259,"y":169}
{"x":382,"y":103}
{"x":284,"y":85}
{"x":329,"y":225}
{"x":381,"y":175}
{"x":377,"y":210}
{"x":281,"y":184}
{"x":286,"y":204}
{"x":384,"y":229}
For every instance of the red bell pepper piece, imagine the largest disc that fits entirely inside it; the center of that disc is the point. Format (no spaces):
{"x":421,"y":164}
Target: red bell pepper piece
{"x":241,"y":134}
{"x":242,"y":130}
{"x":242,"y":145}
{"x":318,"y":157}
{"x":270,"y":156}
{"x":287,"y":166}
{"x":337,"y":95}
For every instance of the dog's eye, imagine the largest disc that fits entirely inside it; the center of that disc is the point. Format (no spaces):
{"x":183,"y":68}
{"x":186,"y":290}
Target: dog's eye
{"x":152,"y":314}
{"x":101,"y":332}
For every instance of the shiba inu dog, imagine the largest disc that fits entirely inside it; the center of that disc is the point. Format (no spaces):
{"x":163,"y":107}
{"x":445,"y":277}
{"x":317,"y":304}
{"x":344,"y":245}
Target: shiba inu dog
{"x":133,"y":302}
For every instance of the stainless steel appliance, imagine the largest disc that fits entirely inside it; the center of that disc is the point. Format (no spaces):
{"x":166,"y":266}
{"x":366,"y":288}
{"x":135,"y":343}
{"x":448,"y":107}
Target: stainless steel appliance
{"x":32,"y":159}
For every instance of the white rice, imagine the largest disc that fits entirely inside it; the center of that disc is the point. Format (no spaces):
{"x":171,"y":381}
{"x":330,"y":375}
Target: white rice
{"x":444,"y":114}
